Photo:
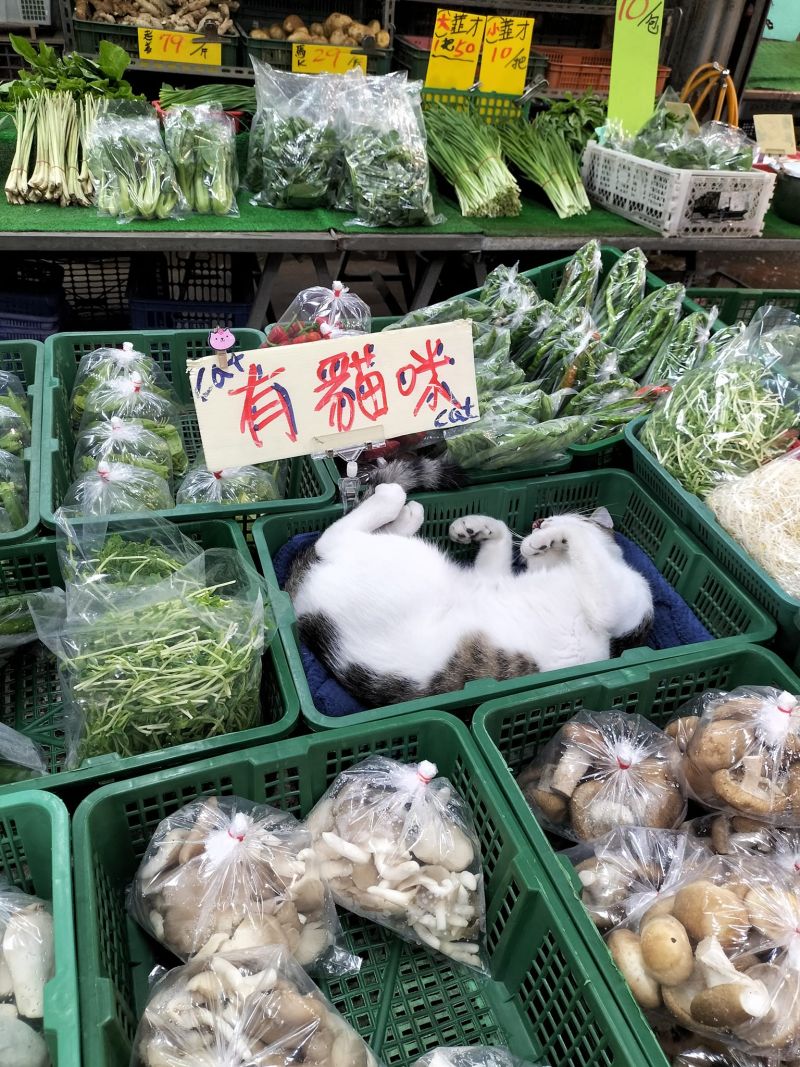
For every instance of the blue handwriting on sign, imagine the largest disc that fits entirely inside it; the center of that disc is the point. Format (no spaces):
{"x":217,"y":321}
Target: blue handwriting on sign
{"x":455,"y":416}
{"x":220,"y":376}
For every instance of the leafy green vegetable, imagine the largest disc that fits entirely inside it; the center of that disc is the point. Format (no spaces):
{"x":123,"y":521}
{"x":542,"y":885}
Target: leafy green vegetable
{"x":579,"y":281}
{"x":575,"y":118}
{"x":622,"y":288}
{"x":681,"y":349}
{"x":73,"y":73}
{"x":227,"y":95}
{"x":113,"y":488}
{"x":642,"y":333}
{"x":297,"y":160}
{"x":505,"y":290}
{"x":234,"y":485}
{"x":201,"y":144}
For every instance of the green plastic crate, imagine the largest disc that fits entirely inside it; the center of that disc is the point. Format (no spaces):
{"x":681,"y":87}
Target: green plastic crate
{"x":26,"y":360}
{"x":35,"y":856}
{"x":306,"y":482}
{"x":742,"y":304}
{"x":546,"y":996}
{"x":700,"y":519}
{"x":31,"y":694}
{"x":279,"y":54}
{"x":727,"y":612}
{"x":492,"y":107}
{"x":510,"y":731}
{"x":88,"y":36}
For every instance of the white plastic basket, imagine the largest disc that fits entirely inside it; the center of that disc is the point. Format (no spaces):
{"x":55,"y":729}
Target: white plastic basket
{"x":677,"y":202}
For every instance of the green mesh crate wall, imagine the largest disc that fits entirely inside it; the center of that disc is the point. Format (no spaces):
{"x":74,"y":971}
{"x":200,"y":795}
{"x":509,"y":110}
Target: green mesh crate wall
{"x":305,"y":482}
{"x":727,"y":612}
{"x":30,"y":693}
{"x":26,"y":360}
{"x":546,"y":997}
{"x":699,"y":518}
{"x":741,"y":304}
{"x":510,"y":731}
{"x":35,"y":856}
{"x":492,"y":107}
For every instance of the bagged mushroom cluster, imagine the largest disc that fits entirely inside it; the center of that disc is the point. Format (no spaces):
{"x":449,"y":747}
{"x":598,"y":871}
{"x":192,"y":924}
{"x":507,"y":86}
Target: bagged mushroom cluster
{"x":398,"y":846}
{"x":729,"y":835}
{"x":225,"y":874}
{"x":27,"y":960}
{"x":469,"y":1056}
{"x":742,"y":753}
{"x":255,"y":1008}
{"x":606,"y":769}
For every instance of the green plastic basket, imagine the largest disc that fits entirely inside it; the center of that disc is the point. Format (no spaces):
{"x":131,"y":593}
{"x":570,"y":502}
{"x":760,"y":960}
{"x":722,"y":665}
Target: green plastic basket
{"x":742,"y":304}
{"x":700,"y":519}
{"x":727,"y":612}
{"x":510,"y":731}
{"x":35,"y":856}
{"x":306,"y":481}
{"x":492,"y":107}
{"x":26,"y":360}
{"x":88,"y":36}
{"x":546,"y":996}
{"x":31,"y":694}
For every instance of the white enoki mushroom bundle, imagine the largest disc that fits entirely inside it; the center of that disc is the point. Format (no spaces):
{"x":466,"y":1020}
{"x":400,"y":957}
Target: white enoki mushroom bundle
{"x":743,"y":755}
{"x":605,"y":769}
{"x":467,"y":1056}
{"x":397,"y":846}
{"x":244,"y":1009}
{"x":224,"y":874}
{"x":27,"y":963}
{"x":762,"y":512}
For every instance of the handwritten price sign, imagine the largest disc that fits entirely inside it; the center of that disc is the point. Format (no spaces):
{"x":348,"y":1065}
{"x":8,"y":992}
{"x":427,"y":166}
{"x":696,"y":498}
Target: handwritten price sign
{"x":634,"y":61}
{"x":506,"y":51}
{"x":325,"y":59}
{"x":455,"y":48}
{"x":280,"y":402}
{"x":165,"y":46}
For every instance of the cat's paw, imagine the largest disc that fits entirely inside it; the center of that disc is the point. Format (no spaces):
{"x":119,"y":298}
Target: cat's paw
{"x":548,"y":540}
{"x":409,"y":521}
{"x":474,"y":528}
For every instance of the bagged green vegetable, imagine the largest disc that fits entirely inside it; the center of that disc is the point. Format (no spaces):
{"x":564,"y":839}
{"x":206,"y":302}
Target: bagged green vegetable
{"x":509,"y":293}
{"x":15,"y":416}
{"x":16,"y":625}
{"x":611,"y":405}
{"x":456,"y":307}
{"x":231,"y":485}
{"x":645,"y":329}
{"x":578,"y":285}
{"x":570,"y":353}
{"x":117,"y":440}
{"x":622,"y":289}
{"x":117,"y":487}
{"x":681,"y":349}
{"x":506,"y":437}
{"x":105,"y":364}
{"x":202,"y":146}
{"x":13,"y":493}
{"x":20,"y":758}
{"x":165,"y":660}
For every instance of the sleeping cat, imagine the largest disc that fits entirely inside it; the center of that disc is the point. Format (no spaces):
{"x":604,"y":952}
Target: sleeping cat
{"x":394,"y":618}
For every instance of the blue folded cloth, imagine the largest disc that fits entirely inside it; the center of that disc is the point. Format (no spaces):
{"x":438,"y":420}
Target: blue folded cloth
{"x":674,"y":622}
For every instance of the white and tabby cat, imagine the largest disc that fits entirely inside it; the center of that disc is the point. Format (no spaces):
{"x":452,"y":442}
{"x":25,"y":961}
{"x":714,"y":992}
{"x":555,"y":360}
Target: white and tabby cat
{"x":394,"y":618}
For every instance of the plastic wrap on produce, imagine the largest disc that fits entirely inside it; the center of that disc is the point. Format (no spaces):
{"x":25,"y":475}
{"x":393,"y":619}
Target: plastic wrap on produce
{"x":15,"y":415}
{"x":112,"y":488}
{"x":20,"y":757}
{"x":231,"y":485}
{"x":682,"y":349}
{"x":13,"y":493}
{"x":106,"y":364}
{"x":319,"y":313}
{"x":116,"y":440}
{"x":578,"y":286}
{"x":481,"y":1056}
{"x":622,"y":288}
{"x":201,"y":143}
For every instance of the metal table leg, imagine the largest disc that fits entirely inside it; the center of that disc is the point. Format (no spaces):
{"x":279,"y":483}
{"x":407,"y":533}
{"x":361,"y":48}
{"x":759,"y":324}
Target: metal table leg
{"x":259,"y":309}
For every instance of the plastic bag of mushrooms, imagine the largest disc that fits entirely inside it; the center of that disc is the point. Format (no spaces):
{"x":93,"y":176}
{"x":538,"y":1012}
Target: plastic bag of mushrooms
{"x":717,"y":951}
{"x":255,"y":1008}
{"x":225,"y":874}
{"x":729,"y":835}
{"x":604,"y":769}
{"x":397,"y":845}
{"x":742,"y":752}
{"x":27,"y":963}
{"x":468,"y":1056}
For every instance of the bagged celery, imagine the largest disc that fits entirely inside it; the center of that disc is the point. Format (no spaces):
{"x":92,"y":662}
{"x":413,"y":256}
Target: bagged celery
{"x":231,"y":485}
{"x":117,"y":440}
{"x":202,"y":145}
{"x":104,"y":364}
{"x":117,"y":487}
{"x":13,"y":492}
{"x":15,"y":416}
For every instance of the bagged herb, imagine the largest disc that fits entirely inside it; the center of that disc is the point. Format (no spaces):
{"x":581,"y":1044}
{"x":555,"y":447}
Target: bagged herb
{"x":111,"y":488}
{"x":202,"y":145}
{"x":117,"y":440}
{"x":231,"y":485}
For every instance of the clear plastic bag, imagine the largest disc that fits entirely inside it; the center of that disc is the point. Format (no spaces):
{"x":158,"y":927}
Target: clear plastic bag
{"x":117,"y":440}
{"x":106,"y":364}
{"x":622,"y":289}
{"x":571,"y":354}
{"x":112,"y":488}
{"x":27,"y":954}
{"x":604,"y":769}
{"x":508,"y":435}
{"x":579,"y":282}
{"x":730,"y":835}
{"x":231,"y":485}
{"x":20,"y":758}
{"x":398,"y":846}
{"x":15,"y":415}
{"x":254,"y":1008}
{"x":13,"y":492}
{"x":224,"y":874}
{"x":132,"y":168}
{"x":295,"y":156}
{"x":162,"y":648}
{"x":610,"y":405}
{"x":645,"y":329}
{"x":762,"y":512}
{"x":201,"y":142}
{"x":683,"y":348}
{"x":744,"y":755}
{"x":16,"y":624}
{"x":387,"y":174}
{"x":318,"y":313}
{"x":480,"y":1056}
{"x":729,"y":1057}
{"x":510,"y":295}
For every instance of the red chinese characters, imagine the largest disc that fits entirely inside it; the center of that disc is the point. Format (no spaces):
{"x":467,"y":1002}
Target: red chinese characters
{"x":350,"y":382}
{"x":427,"y":367}
{"x":256,"y":416}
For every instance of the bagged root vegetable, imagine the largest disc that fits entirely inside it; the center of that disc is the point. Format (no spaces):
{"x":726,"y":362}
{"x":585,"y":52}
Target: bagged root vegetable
{"x":20,"y":758}
{"x":604,"y":769}
{"x":762,"y":512}
{"x":117,"y":440}
{"x":387,"y":176}
{"x":232,"y":485}
{"x":744,"y":754}
{"x":253,"y":1008}
{"x":107,"y":364}
{"x":318,"y":313}
{"x":622,"y":289}
{"x":398,"y":847}
{"x":134,"y":173}
{"x":13,"y":493}
{"x":480,"y":1056}
{"x":15,"y":415}
{"x":682,"y":349}
{"x":202,"y":146}
{"x":224,"y":874}
{"x":578,"y":285}
{"x":27,"y":954}
{"x":117,"y":487}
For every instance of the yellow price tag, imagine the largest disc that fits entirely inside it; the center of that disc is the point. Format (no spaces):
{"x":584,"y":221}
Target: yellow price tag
{"x":325,"y":59}
{"x":506,"y":51}
{"x":634,"y":61}
{"x":168,"y":46}
{"x":455,"y":47}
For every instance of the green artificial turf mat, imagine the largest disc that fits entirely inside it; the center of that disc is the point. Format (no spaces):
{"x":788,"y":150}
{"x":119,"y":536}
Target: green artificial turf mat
{"x":776,"y":65}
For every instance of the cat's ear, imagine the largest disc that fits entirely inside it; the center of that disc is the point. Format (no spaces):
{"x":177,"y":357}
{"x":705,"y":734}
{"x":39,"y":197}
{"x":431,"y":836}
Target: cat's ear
{"x":602,"y":517}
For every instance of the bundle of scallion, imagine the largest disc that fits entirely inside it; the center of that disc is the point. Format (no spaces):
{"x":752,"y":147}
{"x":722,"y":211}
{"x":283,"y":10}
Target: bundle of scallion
{"x":542,"y":154}
{"x":468,"y":153}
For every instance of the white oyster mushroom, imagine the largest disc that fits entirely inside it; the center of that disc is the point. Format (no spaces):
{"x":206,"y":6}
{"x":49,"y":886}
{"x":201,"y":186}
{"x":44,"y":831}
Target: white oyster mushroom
{"x":20,"y":1045}
{"x":29,"y":955}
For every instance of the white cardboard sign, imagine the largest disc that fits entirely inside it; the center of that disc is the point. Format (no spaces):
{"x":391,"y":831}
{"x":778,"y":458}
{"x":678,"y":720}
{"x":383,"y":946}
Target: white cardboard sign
{"x":275,"y":403}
